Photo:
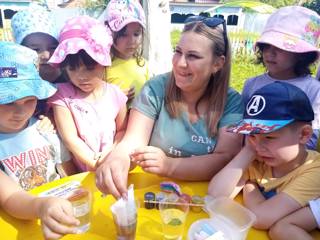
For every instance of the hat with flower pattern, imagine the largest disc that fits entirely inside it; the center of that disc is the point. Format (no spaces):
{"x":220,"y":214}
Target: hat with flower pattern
{"x":294,"y":29}
{"x":122,"y":12}
{"x":32,"y":20}
{"x":84,"y":33}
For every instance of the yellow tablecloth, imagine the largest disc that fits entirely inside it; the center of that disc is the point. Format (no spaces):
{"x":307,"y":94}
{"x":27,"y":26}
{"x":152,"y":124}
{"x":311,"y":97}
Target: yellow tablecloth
{"x":102,"y":227}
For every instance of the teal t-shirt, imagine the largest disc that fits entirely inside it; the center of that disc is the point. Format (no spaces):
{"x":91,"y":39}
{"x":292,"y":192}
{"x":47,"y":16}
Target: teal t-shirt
{"x":178,"y":137}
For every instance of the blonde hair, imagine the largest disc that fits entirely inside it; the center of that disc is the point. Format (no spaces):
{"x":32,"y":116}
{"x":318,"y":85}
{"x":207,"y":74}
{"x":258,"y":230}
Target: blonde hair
{"x":216,"y":92}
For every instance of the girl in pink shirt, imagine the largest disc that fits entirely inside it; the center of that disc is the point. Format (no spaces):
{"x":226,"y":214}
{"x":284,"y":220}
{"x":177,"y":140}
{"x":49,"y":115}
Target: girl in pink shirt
{"x":90,"y":114}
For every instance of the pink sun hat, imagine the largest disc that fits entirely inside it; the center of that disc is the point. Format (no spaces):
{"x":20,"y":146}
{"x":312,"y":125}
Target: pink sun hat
{"x":121,"y":13}
{"x":84,"y":33}
{"x":294,"y":29}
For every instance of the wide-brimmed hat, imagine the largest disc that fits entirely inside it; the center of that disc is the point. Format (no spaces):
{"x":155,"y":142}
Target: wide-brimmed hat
{"x":84,"y":33}
{"x":294,"y":29}
{"x":33,"y":19}
{"x":121,"y":13}
{"x":273,"y":107}
{"x":19,"y":77}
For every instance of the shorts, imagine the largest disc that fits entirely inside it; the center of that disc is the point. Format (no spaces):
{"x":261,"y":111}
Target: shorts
{"x":315,"y":209}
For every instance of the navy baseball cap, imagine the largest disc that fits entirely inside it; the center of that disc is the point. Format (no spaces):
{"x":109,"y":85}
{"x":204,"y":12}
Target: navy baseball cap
{"x":273,"y":107}
{"x":19,"y":77}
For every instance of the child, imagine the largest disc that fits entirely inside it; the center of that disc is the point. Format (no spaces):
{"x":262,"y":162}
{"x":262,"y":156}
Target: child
{"x":287,"y":47}
{"x":129,"y":69}
{"x":35,"y":28}
{"x":276,"y":172}
{"x":25,"y":155}
{"x":56,"y":214}
{"x":90,"y":114}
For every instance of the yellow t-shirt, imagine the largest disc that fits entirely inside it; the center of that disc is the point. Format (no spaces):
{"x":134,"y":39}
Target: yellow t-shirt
{"x":127,"y":73}
{"x":302,"y":184}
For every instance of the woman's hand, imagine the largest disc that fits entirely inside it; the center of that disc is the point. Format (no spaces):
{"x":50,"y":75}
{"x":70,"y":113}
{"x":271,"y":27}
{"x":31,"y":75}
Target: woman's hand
{"x":112,"y":176}
{"x":152,"y":160}
{"x":45,"y":125}
{"x":56,"y":216}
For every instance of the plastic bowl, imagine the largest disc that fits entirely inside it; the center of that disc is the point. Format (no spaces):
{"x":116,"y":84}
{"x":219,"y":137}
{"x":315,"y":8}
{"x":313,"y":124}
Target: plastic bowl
{"x":230,"y":217}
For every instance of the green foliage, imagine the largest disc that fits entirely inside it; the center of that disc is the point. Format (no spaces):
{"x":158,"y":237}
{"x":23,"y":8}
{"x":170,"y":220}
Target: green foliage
{"x":313,"y":4}
{"x":175,"y":36}
{"x":95,"y":5}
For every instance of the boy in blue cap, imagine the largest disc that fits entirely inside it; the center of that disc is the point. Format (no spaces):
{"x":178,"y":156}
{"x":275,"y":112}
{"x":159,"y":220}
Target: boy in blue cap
{"x":26,"y":156}
{"x":276,"y":172}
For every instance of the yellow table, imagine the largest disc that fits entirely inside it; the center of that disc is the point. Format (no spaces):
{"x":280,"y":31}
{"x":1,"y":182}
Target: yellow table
{"x":102,"y":227}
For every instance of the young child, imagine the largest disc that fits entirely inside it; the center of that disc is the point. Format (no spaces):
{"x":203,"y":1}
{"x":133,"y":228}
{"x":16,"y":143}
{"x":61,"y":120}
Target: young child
{"x":56,"y":214}
{"x":129,"y":69}
{"x":34,"y":27}
{"x":27,"y":156}
{"x":90,"y":114}
{"x":287,"y":47}
{"x":276,"y":172}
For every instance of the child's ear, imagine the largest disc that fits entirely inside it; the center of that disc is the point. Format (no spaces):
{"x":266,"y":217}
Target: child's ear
{"x":305,"y":133}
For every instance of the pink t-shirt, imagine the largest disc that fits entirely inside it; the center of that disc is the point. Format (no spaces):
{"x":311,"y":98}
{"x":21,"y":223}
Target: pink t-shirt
{"x":95,"y":121}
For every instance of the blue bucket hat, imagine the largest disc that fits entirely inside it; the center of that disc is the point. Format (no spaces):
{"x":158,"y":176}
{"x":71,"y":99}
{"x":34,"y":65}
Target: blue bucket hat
{"x":33,"y":19}
{"x":19,"y":76}
{"x":273,"y":107}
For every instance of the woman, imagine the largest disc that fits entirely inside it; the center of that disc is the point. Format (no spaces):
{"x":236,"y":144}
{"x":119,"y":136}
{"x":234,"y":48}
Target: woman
{"x":177,"y":125}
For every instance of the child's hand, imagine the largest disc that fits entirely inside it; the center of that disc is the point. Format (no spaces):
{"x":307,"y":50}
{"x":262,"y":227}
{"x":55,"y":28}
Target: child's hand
{"x":130,"y":93}
{"x":152,"y":160}
{"x":45,"y":125}
{"x":56,"y":216}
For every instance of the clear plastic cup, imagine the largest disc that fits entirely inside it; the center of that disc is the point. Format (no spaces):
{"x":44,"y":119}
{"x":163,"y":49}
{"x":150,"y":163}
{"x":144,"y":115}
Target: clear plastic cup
{"x":230,"y":217}
{"x":173,"y":212}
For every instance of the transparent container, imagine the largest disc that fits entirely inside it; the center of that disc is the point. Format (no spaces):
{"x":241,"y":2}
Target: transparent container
{"x":226,"y":216}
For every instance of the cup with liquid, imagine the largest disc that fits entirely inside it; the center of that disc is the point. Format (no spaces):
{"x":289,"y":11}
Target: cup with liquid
{"x":80,"y":199}
{"x":173,"y":212}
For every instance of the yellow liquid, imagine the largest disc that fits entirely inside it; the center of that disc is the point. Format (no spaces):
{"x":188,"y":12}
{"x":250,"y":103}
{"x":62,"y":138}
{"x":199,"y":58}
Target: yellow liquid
{"x":173,"y":223}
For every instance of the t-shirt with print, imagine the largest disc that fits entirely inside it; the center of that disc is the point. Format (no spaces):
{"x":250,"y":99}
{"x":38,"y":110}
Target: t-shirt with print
{"x":308,"y":84}
{"x":30,"y":158}
{"x":302,"y":184}
{"x":177,"y":137}
{"x":95,"y":121}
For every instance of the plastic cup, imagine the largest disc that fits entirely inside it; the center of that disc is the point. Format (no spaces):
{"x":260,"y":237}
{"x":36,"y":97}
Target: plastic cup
{"x":81,"y":202}
{"x":173,"y":212}
{"x":230,"y":217}
{"x":126,"y":230}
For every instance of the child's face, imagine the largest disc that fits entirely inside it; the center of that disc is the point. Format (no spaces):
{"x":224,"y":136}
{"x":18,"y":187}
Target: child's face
{"x":127,"y":44}
{"x":15,"y":115}
{"x":279,"y":147}
{"x":86,"y":78}
{"x":280,"y":63}
{"x":44,"y":45}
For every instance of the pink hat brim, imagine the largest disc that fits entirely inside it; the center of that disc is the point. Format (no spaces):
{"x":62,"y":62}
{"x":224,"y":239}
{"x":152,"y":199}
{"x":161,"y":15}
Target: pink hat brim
{"x":287,"y":42}
{"x":77,"y":44}
{"x":112,"y":24}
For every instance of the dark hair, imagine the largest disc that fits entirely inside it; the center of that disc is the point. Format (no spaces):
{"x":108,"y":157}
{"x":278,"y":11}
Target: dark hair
{"x":74,"y":60}
{"x":302,"y":67}
{"x":138,"y":54}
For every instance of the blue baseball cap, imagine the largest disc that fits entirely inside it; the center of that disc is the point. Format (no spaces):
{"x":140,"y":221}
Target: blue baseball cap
{"x":19,"y":77}
{"x":273,"y":107}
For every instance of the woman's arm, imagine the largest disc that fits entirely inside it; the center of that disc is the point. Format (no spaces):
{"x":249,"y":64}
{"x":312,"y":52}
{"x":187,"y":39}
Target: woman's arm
{"x":68,"y":132}
{"x":112,"y":174}
{"x":195,"y":168}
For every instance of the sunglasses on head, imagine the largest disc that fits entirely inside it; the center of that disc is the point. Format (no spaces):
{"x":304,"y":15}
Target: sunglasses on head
{"x":211,"y":22}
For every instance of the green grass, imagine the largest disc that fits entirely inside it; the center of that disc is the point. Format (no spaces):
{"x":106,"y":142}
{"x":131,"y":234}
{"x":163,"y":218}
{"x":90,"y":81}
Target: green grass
{"x":242,"y":66}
